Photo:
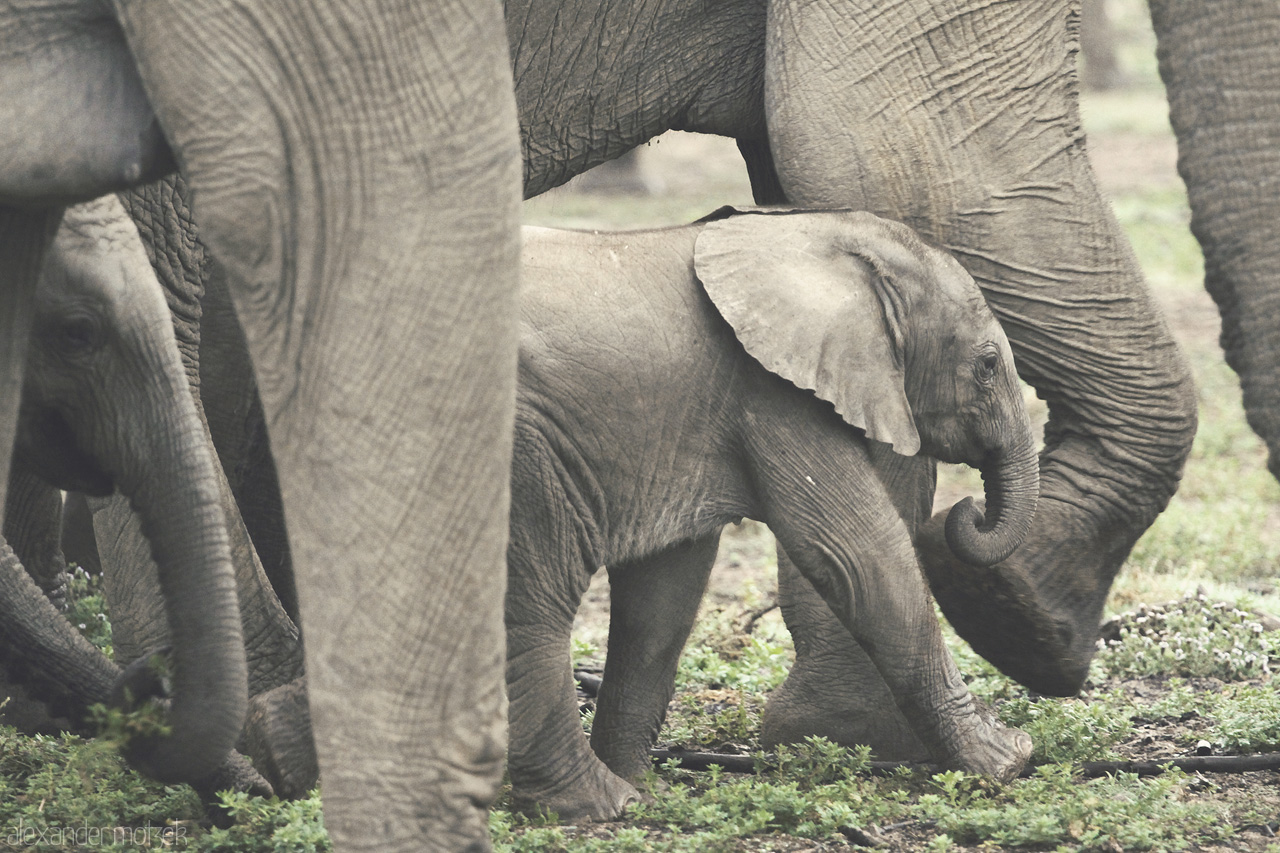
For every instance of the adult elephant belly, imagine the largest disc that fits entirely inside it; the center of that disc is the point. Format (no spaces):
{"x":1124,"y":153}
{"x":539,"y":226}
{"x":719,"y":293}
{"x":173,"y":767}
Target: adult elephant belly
{"x":962,"y":122}
{"x":593,"y":80}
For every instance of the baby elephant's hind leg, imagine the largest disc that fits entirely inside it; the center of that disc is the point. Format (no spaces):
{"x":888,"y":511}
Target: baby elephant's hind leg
{"x":551,"y":764}
{"x":653,"y":603}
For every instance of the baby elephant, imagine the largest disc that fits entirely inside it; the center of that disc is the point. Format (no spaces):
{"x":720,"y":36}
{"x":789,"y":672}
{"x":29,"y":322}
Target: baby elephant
{"x":672,"y":381}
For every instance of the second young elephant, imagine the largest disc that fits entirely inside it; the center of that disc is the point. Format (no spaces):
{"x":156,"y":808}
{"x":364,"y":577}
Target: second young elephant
{"x":756,"y":365}
{"x":106,"y":406}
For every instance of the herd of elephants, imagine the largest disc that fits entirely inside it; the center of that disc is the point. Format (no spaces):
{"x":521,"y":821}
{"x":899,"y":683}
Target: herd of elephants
{"x":222,"y":220}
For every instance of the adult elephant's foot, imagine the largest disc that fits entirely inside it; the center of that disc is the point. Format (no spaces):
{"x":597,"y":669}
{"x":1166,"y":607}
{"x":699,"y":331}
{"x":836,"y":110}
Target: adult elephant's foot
{"x":595,"y":794}
{"x":1036,"y":615}
{"x":840,"y":696}
{"x":277,"y":737}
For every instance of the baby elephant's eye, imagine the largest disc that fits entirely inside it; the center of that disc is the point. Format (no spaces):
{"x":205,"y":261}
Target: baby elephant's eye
{"x":988,"y":366}
{"x":80,"y":334}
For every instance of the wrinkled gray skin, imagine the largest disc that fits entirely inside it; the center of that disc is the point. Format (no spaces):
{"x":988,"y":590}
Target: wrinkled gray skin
{"x":961,"y":121}
{"x":999,"y":176}
{"x":298,"y":126}
{"x":661,"y":397}
{"x":821,"y":98}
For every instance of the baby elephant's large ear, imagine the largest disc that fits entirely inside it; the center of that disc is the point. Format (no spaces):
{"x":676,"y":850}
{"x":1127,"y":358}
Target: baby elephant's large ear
{"x":812,"y":297}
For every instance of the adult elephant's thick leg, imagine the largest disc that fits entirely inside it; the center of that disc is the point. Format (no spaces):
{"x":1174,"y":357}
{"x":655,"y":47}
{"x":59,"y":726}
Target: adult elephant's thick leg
{"x":357,"y":173}
{"x":652,"y":606}
{"x":25,"y":235}
{"x":78,"y":544}
{"x":238,"y":427}
{"x":1222,"y":72}
{"x":33,"y":527}
{"x":199,"y":305}
{"x":833,"y":688}
{"x":961,"y":120}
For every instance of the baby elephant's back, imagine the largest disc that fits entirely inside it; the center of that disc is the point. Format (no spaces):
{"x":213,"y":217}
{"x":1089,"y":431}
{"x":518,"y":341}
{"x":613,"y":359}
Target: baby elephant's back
{"x":618,"y":316}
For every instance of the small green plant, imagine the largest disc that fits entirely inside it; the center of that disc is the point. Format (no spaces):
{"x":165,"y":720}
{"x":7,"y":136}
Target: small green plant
{"x":1246,"y":718}
{"x":268,"y":826}
{"x":87,"y":609}
{"x":69,"y":793}
{"x":1069,"y":730}
{"x":1054,"y":808}
{"x":116,"y":727}
{"x":1190,"y":638}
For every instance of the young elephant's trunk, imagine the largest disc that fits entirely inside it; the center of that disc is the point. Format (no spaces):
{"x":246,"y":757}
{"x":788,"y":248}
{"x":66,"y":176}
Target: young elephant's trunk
{"x":176,"y":498}
{"x":1012,"y":483}
{"x":166,"y":470}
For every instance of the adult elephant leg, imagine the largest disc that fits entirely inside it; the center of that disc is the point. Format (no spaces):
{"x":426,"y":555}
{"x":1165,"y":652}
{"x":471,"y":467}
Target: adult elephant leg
{"x":33,"y":528}
{"x":1222,"y":74}
{"x":833,"y":688}
{"x":652,"y":605}
{"x":238,"y":428}
{"x":357,"y":174}
{"x":961,"y":120}
{"x":24,"y":237}
{"x":199,"y":305}
{"x":77,"y":541}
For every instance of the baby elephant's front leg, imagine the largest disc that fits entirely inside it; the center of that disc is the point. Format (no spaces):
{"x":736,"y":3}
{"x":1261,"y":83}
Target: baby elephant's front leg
{"x":902,"y":637}
{"x":877,"y":591}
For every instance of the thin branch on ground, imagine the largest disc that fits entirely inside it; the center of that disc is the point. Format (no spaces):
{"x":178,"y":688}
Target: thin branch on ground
{"x":754,"y":616}
{"x":1190,"y":764}
{"x":588,"y":682}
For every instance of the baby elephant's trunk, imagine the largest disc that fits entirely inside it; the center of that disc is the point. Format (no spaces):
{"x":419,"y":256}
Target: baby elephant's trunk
{"x":1012,"y":481}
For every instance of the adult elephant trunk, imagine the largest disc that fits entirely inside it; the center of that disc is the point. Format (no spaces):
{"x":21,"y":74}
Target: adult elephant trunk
{"x":1222,"y":73}
{"x":1012,"y":481}
{"x":1027,"y":221}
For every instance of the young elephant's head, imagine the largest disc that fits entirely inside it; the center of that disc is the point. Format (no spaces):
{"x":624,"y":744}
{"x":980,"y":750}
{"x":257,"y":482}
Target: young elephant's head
{"x":106,"y":405}
{"x":896,"y":336}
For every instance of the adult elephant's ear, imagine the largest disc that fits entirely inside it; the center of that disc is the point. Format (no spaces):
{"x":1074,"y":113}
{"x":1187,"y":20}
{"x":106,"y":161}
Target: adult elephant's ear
{"x":812,"y":297}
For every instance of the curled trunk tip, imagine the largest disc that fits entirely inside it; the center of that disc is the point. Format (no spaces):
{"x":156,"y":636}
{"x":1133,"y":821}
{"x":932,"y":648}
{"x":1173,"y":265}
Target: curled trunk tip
{"x":1012,"y":490}
{"x":972,"y":539}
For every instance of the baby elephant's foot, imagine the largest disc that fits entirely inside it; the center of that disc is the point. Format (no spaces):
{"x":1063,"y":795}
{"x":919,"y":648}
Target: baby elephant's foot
{"x":996,"y":751}
{"x":595,"y":795}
